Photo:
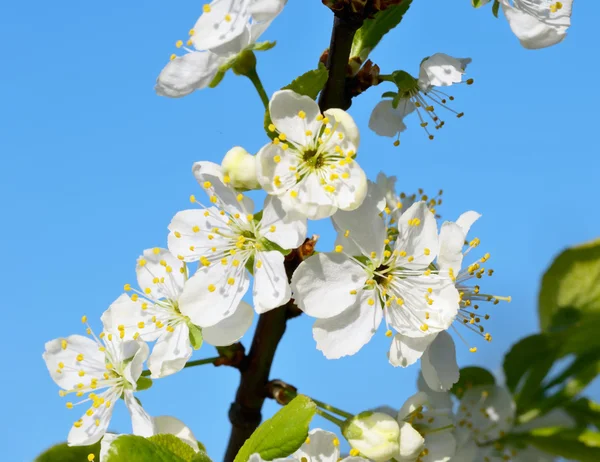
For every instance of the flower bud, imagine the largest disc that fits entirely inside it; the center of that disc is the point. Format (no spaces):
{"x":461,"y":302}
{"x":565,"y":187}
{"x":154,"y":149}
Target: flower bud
{"x":241,"y":169}
{"x":375,"y":434}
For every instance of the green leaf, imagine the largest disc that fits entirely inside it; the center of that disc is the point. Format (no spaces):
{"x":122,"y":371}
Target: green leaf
{"x":201,"y":456}
{"x":573,"y":282}
{"x":585,"y":412}
{"x":195,"y":336}
{"x":309,"y":84}
{"x":373,"y":30}
{"x":143,"y":383}
{"x":524,"y":355}
{"x":174,"y":445}
{"x":479,"y":3}
{"x":131,"y":448}
{"x":282,"y":434}
{"x":471,"y":377}
{"x":63,"y":453}
{"x":582,"y":445}
{"x":496,"y":8}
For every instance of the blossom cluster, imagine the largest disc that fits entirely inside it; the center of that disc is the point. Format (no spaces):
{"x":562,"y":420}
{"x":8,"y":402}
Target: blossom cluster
{"x":392,"y":269}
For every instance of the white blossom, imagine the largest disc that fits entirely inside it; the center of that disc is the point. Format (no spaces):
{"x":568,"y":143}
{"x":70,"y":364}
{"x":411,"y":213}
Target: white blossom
{"x":538,"y":23}
{"x":311,"y":164}
{"x":369,"y":278}
{"x":158,"y":311}
{"x":240,"y":166}
{"x":375,"y":435}
{"x":105,"y":369}
{"x":420,"y":95}
{"x":225,"y":238}
{"x":224,"y":30}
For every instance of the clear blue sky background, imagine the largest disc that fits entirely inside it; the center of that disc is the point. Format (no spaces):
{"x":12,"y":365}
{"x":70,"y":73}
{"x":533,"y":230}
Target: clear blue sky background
{"x":94,"y":166}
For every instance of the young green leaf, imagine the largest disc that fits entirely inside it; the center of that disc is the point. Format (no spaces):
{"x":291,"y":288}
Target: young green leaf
{"x":572,"y":281}
{"x":524,"y":355}
{"x":131,"y":448}
{"x":373,"y":30}
{"x":64,"y":453}
{"x":582,"y":445}
{"x":472,"y":377}
{"x":282,"y":434}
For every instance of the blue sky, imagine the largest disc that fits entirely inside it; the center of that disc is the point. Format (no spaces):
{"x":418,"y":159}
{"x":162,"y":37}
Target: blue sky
{"x":95,"y":165}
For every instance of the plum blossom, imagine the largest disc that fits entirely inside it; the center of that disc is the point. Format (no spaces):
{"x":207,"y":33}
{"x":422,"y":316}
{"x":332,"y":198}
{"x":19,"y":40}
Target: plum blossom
{"x":223,"y":32}
{"x":158,"y":312}
{"x":311,"y":165}
{"x":105,"y":369}
{"x":420,"y":95}
{"x":226,"y":238}
{"x":538,"y":23}
{"x":367,"y":279}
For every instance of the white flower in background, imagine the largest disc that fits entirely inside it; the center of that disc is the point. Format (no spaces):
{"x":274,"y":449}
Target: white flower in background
{"x":320,"y":446}
{"x":158,"y":311}
{"x":421,"y":94}
{"x":366,"y":280}
{"x":437,"y":352}
{"x":538,"y":23}
{"x":162,"y":425}
{"x":105,"y":370}
{"x":227,"y":237}
{"x":374,"y":435}
{"x":310,"y":165}
{"x":240,"y":166}
{"x":225,"y":29}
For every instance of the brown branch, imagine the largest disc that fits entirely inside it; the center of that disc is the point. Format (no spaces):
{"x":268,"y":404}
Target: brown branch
{"x":245,"y":412}
{"x":335,"y":93}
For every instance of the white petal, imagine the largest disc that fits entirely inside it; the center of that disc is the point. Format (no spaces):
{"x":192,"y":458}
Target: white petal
{"x":185,"y":74}
{"x":321,"y":447}
{"x":275,"y":176}
{"x":311,"y":199}
{"x":285,"y":228}
{"x":466,"y":220}
{"x":438,"y":364}
{"x":537,"y":27}
{"x":413,"y":403}
{"x":405,"y":351}
{"x":452,"y":241}
{"x":323,"y":283}
{"x":411,"y":442}
{"x":266,"y":10}
{"x":192,"y":229}
{"x":67,"y":377}
{"x":213,"y":293}
{"x":93,"y":427}
{"x":213,"y":30}
{"x":135,"y":354}
{"x":349,"y":331}
{"x":350,"y":192}
{"x":152,"y":273}
{"x":271,"y":287}
{"x":105,"y":444}
{"x":171,"y":352}
{"x":168,"y":425}
{"x":210,"y":177}
{"x":441,"y":447}
{"x":415,"y":238}
{"x":130,"y":315}
{"x":387,"y":121}
{"x":439,"y":401}
{"x":364,"y":227}
{"x":230,"y":329}
{"x":284,"y":108}
{"x":346,"y":125}
{"x":141,"y":422}
{"x":441,"y":70}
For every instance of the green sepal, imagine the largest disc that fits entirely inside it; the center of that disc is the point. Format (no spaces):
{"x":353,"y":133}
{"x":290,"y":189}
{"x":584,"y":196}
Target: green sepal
{"x":389,"y":94}
{"x":496,"y":8}
{"x":143,"y":383}
{"x":196,"y":338}
{"x":262,"y":46}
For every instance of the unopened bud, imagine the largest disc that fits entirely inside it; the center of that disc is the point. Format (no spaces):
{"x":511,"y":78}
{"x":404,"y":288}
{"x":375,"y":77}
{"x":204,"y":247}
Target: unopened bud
{"x":374,"y":434}
{"x":240,"y":167}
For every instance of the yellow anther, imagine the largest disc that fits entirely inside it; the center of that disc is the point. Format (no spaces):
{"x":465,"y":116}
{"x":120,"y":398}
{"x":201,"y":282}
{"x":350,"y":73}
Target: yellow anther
{"x":206,"y":8}
{"x":81,"y":373}
{"x":147,"y":290}
{"x":84,"y":319}
{"x":211,"y":288}
{"x":235,"y":263}
{"x":353,"y":292}
{"x":387,"y":253}
{"x":371,"y":302}
{"x":473,"y":350}
{"x":284,"y":146}
{"x":426,"y":251}
{"x":170,"y":329}
{"x":272,"y":128}
{"x":302,"y":114}
{"x":231,"y":281}
{"x":207,"y":184}
{"x":336,"y":442}
{"x":259,"y":264}
{"x":354,"y":452}
{"x":91,"y":457}
{"x":127,"y":287}
{"x":78,"y":424}
{"x":63,"y":344}
{"x":307,"y":441}
{"x":179,"y":43}
{"x":155,"y":250}
{"x":388,"y":333}
{"x":294,"y":193}
{"x":213,"y":199}
{"x":411,"y":259}
{"x":228,"y":18}
{"x":240,"y":197}
{"x":424,"y":327}
{"x":339,"y":248}
{"x":69,"y":405}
